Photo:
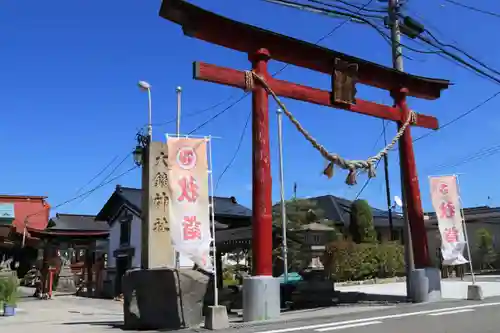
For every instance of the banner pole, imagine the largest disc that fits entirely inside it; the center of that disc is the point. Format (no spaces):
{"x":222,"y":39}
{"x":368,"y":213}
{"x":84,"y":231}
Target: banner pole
{"x":466,"y":236}
{"x":212,"y":217}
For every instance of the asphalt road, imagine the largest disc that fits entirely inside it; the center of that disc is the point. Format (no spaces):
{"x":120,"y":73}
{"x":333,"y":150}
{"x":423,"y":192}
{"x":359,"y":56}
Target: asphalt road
{"x":442,"y":317}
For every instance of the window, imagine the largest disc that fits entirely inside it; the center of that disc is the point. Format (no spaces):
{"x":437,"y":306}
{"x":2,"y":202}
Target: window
{"x":125,"y":230}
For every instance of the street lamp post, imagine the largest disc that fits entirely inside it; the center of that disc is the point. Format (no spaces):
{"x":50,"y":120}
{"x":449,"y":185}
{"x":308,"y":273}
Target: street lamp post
{"x":147,"y":87}
{"x":178,"y":90}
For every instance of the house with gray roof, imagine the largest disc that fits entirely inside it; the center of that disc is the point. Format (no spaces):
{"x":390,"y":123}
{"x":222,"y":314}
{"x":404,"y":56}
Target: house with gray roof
{"x":338,"y":210}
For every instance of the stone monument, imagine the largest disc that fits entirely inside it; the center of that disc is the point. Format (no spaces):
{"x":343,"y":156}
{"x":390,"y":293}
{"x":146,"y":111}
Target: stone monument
{"x":158,"y":296}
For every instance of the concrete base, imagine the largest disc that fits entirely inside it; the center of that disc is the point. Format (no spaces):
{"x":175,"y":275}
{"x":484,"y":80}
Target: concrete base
{"x":434,"y":276}
{"x":261,"y":298}
{"x":158,"y":299}
{"x":216,"y":318}
{"x":425,"y":285}
{"x":474,"y":292}
{"x":419,"y":286}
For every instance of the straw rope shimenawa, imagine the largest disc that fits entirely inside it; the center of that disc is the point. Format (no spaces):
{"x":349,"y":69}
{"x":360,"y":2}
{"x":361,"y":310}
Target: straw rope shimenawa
{"x":334,"y":159}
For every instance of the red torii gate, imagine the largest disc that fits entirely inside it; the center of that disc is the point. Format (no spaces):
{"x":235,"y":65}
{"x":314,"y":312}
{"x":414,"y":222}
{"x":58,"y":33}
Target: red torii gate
{"x":262,"y":45}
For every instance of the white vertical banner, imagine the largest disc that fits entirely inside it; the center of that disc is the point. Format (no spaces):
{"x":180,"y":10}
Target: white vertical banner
{"x":446,"y":203}
{"x":189,"y":205}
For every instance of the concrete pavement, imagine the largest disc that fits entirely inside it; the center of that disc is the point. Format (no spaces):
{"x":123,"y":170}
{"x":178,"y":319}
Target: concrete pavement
{"x":442,"y":317}
{"x":450,"y":288}
{"x":63,"y":314}
{"x":70,"y":314}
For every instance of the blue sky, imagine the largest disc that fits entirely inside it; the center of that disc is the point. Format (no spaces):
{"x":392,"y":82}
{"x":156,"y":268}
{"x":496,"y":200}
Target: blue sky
{"x":70,"y":103}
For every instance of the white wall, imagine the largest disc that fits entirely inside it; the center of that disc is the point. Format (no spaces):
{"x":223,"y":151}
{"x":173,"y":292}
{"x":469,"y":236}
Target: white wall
{"x":114,"y":243}
{"x":135,"y":240}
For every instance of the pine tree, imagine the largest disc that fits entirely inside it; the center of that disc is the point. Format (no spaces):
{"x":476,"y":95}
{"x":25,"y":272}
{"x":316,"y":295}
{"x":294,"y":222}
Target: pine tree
{"x":485,"y":247}
{"x":361,"y":223}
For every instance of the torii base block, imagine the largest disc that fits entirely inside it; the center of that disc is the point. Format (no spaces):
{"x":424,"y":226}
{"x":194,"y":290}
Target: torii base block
{"x":261,"y":298}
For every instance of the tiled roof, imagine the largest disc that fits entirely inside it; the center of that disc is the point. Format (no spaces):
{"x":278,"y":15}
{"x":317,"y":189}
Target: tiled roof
{"x":223,"y":206}
{"x":74,"y":222}
{"x":339,"y":210}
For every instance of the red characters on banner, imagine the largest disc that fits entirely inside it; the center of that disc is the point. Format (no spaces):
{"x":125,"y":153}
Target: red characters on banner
{"x":186,"y":158}
{"x":443,"y":188}
{"x":446,"y":209}
{"x":451,"y":235}
{"x":191,"y":228}
{"x":189,"y":189}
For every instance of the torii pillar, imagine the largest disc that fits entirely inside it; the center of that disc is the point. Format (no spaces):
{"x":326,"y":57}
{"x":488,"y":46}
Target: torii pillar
{"x":261,"y":292}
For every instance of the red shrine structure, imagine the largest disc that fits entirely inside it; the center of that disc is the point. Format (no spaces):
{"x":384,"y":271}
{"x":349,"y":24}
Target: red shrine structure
{"x":261,"y":46}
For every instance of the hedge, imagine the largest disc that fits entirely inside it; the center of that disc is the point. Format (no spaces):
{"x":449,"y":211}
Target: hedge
{"x":348,"y":261}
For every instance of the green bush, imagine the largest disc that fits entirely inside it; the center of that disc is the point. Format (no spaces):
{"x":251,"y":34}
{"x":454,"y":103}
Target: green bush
{"x":9,"y":288}
{"x":2,"y":290}
{"x":348,"y":261}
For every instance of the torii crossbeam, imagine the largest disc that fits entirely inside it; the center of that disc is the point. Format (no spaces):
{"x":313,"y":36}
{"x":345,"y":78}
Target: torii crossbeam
{"x":261,"y":45}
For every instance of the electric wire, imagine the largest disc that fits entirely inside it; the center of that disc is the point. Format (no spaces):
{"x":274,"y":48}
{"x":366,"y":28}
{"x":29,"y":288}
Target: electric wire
{"x":475,"y":9}
{"x":340,"y":25}
{"x":238,"y":147}
{"x":350,"y":11}
{"x":195,"y":113}
{"x":468,"y":55}
{"x":84,"y":194}
{"x":97,"y":175}
{"x":108,"y":175}
{"x":361,"y":8}
{"x":360,"y":19}
{"x":458,"y":59}
{"x":477,"y":155}
{"x":460,"y":116}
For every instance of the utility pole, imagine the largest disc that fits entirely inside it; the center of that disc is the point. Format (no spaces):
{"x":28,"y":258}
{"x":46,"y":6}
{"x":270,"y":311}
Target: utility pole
{"x":397,"y":63}
{"x":387,"y":185}
{"x":282,"y":192}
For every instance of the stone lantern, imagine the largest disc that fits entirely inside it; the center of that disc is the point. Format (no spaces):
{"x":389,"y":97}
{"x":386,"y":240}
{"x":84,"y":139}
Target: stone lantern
{"x":315,"y":236}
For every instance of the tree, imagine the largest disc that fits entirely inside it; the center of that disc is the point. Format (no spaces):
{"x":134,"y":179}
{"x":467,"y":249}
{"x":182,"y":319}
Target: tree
{"x":485,"y":247}
{"x":361,"y":224}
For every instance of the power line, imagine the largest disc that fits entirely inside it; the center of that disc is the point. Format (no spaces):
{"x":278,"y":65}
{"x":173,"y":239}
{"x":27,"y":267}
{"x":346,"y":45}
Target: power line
{"x":109,"y":174}
{"x":218,"y":114}
{"x":361,"y":8}
{"x":97,"y":175}
{"x":250,"y":113}
{"x":482,"y":11}
{"x":367,"y":181}
{"x":196,"y":113}
{"x":462,"y":115}
{"x":478,"y":155}
{"x":235,"y":153}
{"x":85,"y":193}
{"x":461,"y":60}
{"x":353,"y":17}
{"x":363,"y":19}
{"x":355,"y":12}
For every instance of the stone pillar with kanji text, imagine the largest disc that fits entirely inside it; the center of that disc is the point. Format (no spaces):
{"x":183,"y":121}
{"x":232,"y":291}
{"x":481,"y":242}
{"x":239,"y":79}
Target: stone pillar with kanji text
{"x":157,"y":249}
